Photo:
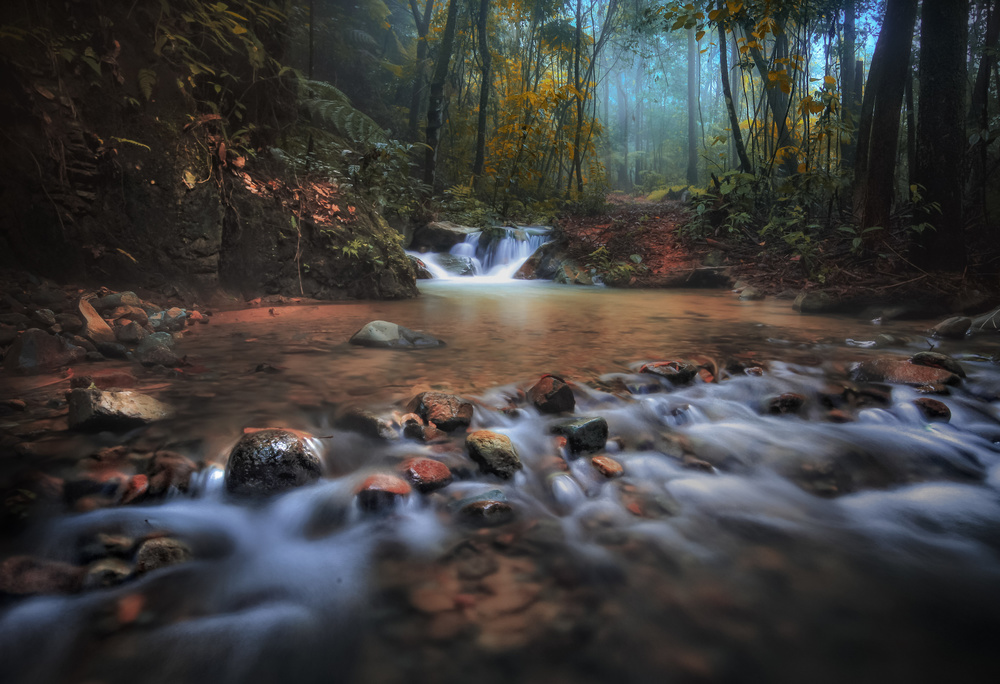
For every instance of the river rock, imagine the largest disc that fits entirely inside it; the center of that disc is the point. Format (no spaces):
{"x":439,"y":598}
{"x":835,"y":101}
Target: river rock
{"x":156,"y":350}
{"x":168,"y":470}
{"x":902,"y":372}
{"x":93,"y":409}
{"x":484,"y":510}
{"x":421,"y":268}
{"x":171,"y":320}
{"x":270,"y":461}
{"x":365,"y":423}
{"x":953,"y":328}
{"x":94,"y":328}
{"x":815,"y":302}
{"x":494,"y":453}
{"x":933,"y":409}
{"x":161,"y":552}
{"x":117,"y":299}
{"x":551,"y":394}
{"x":584,"y":434}
{"x":17,"y":320}
{"x":36,"y":351}
{"x":393,"y":336}
{"x":987,"y":322}
{"x":112,"y":350}
{"x":44,"y":317}
{"x":130,"y":333}
{"x":441,"y":236}
{"x":750,"y":294}
{"x":677,"y":372}
{"x":426,"y":474}
{"x":607,"y":466}
{"x":380,"y":492}
{"x":446,"y":411}
{"x":69,"y":323}
{"x":789,"y":402}
{"x":23,"y":575}
{"x":938,"y":360}
{"x":129,"y":313}
{"x":457,"y":264}
{"x":107,"y":572}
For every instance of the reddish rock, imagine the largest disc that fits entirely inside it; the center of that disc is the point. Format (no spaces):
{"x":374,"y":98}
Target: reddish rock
{"x":551,"y":394}
{"x":129,"y":313}
{"x":486,"y":513}
{"x":607,"y":466}
{"x":169,"y":469}
{"x":21,"y":575}
{"x":160,"y":552}
{"x":135,"y":489}
{"x":933,"y":409}
{"x":838,"y":416}
{"x":380,"y":492}
{"x":446,"y":411}
{"x":426,"y":474}
{"x":902,"y":372}
{"x":677,"y":372}
{"x":196,"y":317}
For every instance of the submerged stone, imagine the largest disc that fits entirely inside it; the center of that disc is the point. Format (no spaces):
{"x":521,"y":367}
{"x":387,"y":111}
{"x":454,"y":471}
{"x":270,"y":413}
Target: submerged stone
{"x":380,"y":492}
{"x":426,"y":474}
{"x":584,"y":434}
{"x":161,"y":552}
{"x":551,"y":394}
{"x":93,"y":409}
{"x":903,"y":372}
{"x":938,"y":360}
{"x":677,"y":372}
{"x":393,"y":336}
{"x":447,"y":411}
{"x":271,"y":461}
{"x":36,"y":351}
{"x":952,"y":328}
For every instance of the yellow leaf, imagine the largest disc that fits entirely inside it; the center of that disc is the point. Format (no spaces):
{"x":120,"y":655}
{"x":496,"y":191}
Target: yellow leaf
{"x":802,"y":168}
{"x":830,"y":80}
{"x":239,"y":30}
{"x":699,"y":35}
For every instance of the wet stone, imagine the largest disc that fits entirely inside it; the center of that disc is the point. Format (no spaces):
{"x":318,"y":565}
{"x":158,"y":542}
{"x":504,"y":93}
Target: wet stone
{"x":36,"y":351}
{"x":494,"y":453}
{"x":366,"y":423}
{"x":933,"y":409}
{"x":131,"y":333}
{"x":270,"y":461}
{"x":487,"y":513}
{"x":157,"y":349}
{"x":938,"y":360}
{"x":446,"y":411}
{"x":607,"y":466}
{"x":23,"y":575}
{"x":105,"y":379}
{"x":381,"y":492}
{"x":426,"y":474}
{"x":786,"y":403}
{"x":952,"y":328}
{"x":584,"y":434}
{"x":107,"y":572}
{"x":94,"y":328}
{"x":161,"y":552}
{"x":677,"y":372}
{"x":551,"y":394}
{"x":902,"y":372}
{"x":44,"y":316}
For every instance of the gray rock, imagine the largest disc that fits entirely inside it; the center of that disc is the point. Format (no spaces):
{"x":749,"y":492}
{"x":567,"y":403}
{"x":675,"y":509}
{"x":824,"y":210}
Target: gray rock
{"x":171,"y":320}
{"x":815,"y":301}
{"x":69,"y":323}
{"x":953,"y":328}
{"x":156,"y":350}
{"x":440,"y":236}
{"x":36,"y":351}
{"x":392,"y":336}
{"x":494,"y":453}
{"x":92,"y":409}
{"x":456,"y":264}
{"x":584,"y":434}
{"x":94,"y":328}
{"x":44,"y":316}
{"x":116,"y":299}
{"x":271,"y":461}
{"x":161,"y":552}
{"x":132,"y":333}
{"x":365,"y":423}
{"x":938,"y":360}
{"x":112,"y":350}
{"x":751,"y":294}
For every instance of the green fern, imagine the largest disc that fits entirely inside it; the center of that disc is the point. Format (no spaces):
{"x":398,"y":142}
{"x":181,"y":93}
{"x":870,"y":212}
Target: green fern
{"x":331,"y":109}
{"x":147,"y":79}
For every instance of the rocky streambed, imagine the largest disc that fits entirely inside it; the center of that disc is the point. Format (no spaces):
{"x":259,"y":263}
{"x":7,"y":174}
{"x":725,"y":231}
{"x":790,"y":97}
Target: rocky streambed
{"x":769,"y":504}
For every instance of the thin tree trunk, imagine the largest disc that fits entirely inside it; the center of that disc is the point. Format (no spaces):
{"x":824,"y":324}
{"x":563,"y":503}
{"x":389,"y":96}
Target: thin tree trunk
{"x":692,"y":107}
{"x":727,"y":93}
{"x":485,"y":63}
{"x":423,"y":23}
{"x":435,"y":105}
{"x":848,"y":92}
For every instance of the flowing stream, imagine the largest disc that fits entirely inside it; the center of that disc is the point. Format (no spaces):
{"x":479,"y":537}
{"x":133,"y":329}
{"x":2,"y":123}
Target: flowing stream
{"x":740,"y":545}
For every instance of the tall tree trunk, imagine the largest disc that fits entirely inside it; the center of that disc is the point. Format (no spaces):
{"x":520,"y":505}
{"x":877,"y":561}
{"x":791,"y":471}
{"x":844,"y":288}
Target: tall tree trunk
{"x":941,"y":112}
{"x":979,"y":107}
{"x":423,"y":24}
{"x":727,"y":93}
{"x":485,"y":64}
{"x":849,"y":105}
{"x":778,"y":101}
{"x":435,"y":104}
{"x":692,"y":107}
{"x":878,"y":128}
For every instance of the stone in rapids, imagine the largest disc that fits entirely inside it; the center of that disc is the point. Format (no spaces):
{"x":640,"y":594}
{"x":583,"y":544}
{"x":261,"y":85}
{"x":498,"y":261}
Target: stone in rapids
{"x":494,"y":453}
{"x":271,"y":461}
{"x":551,"y":394}
{"x":447,"y":411}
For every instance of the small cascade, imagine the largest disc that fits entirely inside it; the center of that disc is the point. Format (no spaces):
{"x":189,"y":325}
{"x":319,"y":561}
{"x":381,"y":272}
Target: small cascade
{"x":487,"y":255}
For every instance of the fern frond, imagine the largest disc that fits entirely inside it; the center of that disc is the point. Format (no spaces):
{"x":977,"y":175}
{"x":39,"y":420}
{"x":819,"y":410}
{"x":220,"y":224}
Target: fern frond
{"x":362,"y":38}
{"x":147,"y":79}
{"x":328,"y":107}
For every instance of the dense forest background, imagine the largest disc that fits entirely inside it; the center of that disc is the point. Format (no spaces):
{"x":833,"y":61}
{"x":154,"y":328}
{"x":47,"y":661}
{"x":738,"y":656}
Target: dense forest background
{"x":852,"y":126}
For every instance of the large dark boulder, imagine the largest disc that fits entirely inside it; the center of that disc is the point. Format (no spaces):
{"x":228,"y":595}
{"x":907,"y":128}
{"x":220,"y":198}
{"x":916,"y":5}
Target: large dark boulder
{"x":441,"y":236}
{"x":271,"y":461}
{"x":36,"y":351}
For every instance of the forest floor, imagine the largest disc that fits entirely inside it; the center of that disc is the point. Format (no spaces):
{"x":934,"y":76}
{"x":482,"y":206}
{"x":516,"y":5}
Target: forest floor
{"x":655,"y":232}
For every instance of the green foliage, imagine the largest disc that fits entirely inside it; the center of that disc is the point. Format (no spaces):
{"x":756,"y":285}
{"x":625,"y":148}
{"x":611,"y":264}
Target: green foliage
{"x":329,"y":108}
{"x":461,"y":206}
{"x":614,"y":272}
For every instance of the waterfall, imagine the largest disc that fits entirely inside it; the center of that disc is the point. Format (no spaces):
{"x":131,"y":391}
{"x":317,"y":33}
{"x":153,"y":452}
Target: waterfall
{"x":493,"y":256}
